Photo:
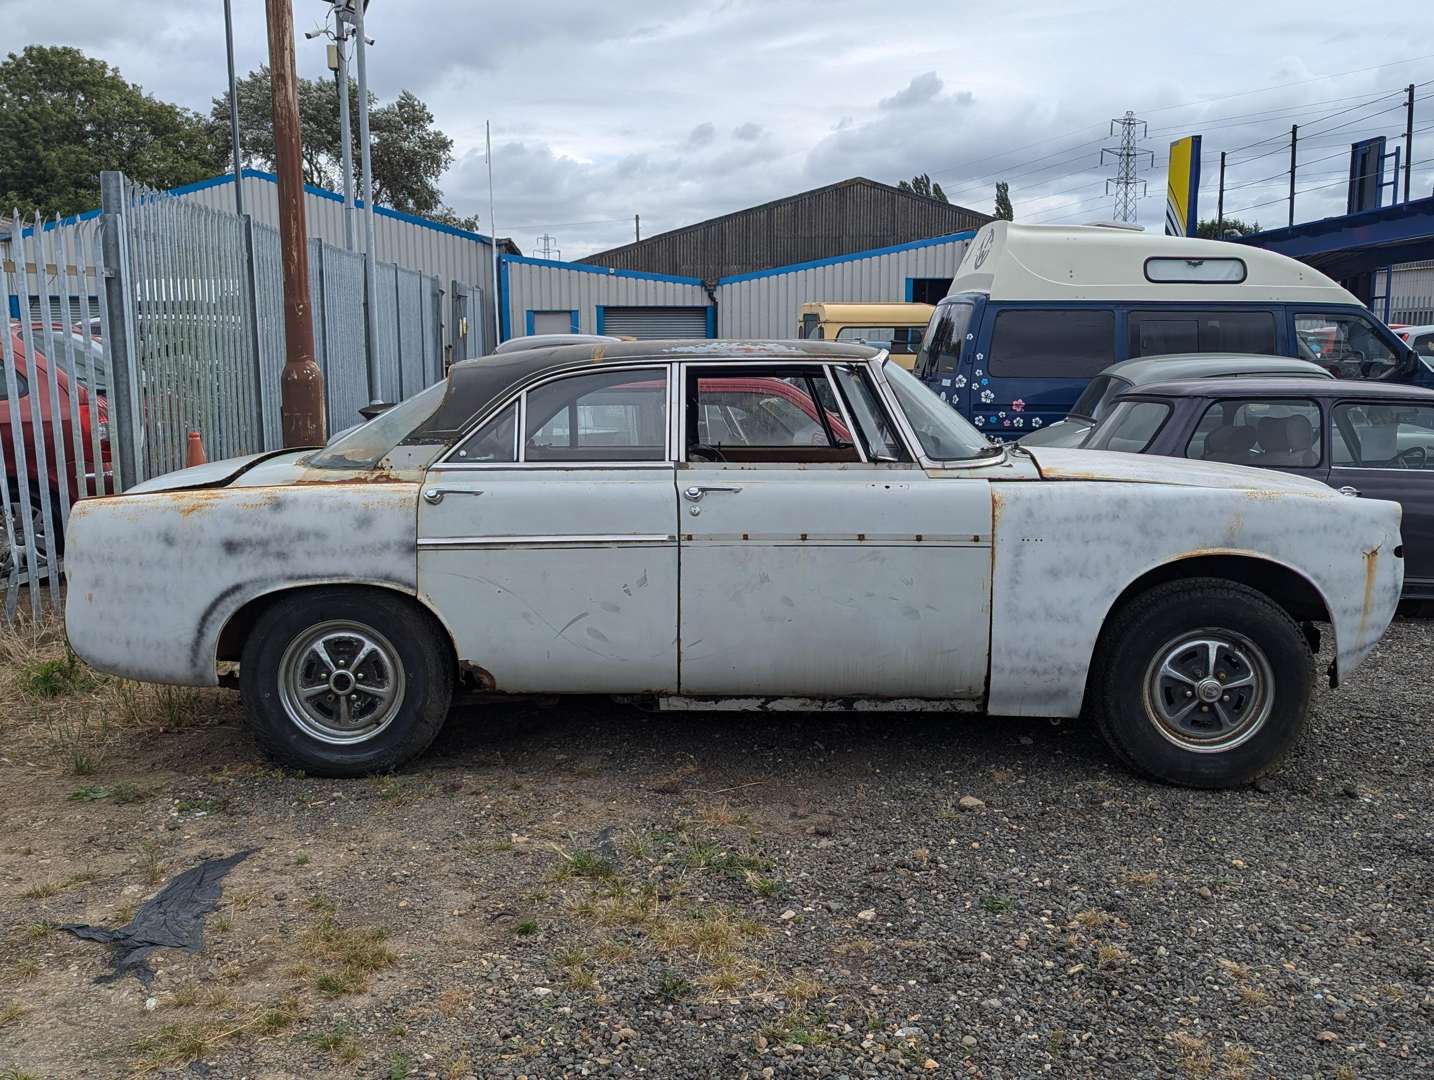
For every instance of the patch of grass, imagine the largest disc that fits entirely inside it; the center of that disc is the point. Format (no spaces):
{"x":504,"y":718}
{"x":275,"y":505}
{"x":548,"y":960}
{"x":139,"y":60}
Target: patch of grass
{"x":38,"y":931}
{"x":125,"y":793}
{"x":80,"y":744}
{"x":858,"y":946}
{"x":301,"y":859}
{"x":278,"y":1018}
{"x":43,"y":890}
{"x":1238,"y":972}
{"x":11,"y":1011}
{"x":57,"y":678}
{"x":27,"y":967}
{"x":526,"y":928}
{"x":321,"y":904}
{"x":89,"y":794}
{"x":705,"y":932}
{"x":1195,"y":1062}
{"x":996,"y":905}
{"x":1254,"y":996}
{"x":340,"y":1043}
{"x":797,"y":1028}
{"x":152,"y":866}
{"x":583,"y":864}
{"x":1092,"y":918}
{"x":766,"y":887}
{"x":393,"y":789}
{"x":1144,"y":878}
{"x":346,"y":956}
{"x":453,"y":1001}
{"x":18,"y":1074}
{"x":400,"y":1066}
{"x":673,"y":987}
{"x":203,"y":804}
{"x":1109,"y":956}
{"x":800,"y":990}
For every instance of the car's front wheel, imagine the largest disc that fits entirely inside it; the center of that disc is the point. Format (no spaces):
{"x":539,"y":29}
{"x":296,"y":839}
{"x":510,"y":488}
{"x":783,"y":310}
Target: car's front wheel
{"x":345,"y":682}
{"x":1202,"y":682}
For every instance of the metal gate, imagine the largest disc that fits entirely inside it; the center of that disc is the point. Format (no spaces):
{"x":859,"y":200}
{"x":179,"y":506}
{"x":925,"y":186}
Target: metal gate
{"x":654,"y":323}
{"x":471,"y":323}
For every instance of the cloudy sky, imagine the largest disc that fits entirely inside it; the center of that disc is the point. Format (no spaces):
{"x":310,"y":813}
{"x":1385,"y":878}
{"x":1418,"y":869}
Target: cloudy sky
{"x":681,"y":110}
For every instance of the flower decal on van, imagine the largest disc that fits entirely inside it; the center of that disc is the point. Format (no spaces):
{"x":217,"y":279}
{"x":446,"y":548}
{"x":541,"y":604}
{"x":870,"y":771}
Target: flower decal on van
{"x":980,"y":421}
{"x":1036,"y":421}
{"x":987,"y":397}
{"x":1019,"y":405}
{"x":958,"y":382}
{"x":1018,"y":422}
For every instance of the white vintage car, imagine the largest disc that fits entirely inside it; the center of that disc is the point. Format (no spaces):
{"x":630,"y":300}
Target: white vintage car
{"x":719,"y":524}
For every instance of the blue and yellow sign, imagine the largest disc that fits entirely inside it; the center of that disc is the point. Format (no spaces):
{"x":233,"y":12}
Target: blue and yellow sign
{"x":1183,"y":188}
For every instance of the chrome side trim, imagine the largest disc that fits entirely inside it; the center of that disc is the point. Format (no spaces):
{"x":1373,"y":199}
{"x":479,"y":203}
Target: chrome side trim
{"x":556,"y":540}
{"x":845,"y":539}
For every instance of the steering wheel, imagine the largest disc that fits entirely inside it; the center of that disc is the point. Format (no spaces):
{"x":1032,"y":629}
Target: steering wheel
{"x":1413,"y":458}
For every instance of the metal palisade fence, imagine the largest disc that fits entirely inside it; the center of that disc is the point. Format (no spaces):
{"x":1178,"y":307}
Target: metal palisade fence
{"x":162,"y":317}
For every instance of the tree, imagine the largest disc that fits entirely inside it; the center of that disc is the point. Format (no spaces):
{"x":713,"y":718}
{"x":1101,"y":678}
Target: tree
{"x":65,"y":116}
{"x":1003,"y":202}
{"x":1231,"y":226}
{"x":408,"y":153}
{"x":921,"y":185}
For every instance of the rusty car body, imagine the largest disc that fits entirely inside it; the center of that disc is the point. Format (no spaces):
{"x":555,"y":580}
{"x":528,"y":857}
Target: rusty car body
{"x":601,"y":519}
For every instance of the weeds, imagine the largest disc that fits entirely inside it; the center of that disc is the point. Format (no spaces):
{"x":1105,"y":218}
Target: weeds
{"x":347,"y":956}
{"x":57,"y":678}
{"x":340,"y":1043}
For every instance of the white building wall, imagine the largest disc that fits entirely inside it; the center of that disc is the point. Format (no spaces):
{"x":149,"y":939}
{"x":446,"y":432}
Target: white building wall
{"x":765,"y":304}
{"x":543,"y":285}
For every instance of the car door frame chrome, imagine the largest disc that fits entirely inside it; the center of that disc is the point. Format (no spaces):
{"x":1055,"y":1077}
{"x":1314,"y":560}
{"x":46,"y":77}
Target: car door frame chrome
{"x":520,"y":396}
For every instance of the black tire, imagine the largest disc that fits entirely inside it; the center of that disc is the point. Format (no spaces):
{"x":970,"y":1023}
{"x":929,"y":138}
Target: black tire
{"x":1129,"y":697}
{"x":412,"y":649}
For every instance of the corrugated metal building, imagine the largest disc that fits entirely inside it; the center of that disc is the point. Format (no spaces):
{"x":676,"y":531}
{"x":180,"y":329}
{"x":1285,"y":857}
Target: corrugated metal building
{"x":410,"y":241}
{"x":844,"y":218}
{"x":1411,"y":293}
{"x":546,"y":297}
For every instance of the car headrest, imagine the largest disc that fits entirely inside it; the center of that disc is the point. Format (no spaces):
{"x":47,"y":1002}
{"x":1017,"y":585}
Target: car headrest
{"x":1230,"y":440}
{"x":1299,"y":433}
{"x":1274,"y":437}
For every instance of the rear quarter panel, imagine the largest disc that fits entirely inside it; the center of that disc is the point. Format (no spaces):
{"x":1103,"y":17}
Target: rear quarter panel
{"x":1066,"y":550}
{"x":153,"y":578}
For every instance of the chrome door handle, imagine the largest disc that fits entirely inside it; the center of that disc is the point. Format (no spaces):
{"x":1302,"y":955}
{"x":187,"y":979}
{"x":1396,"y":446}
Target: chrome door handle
{"x":434,"y":495}
{"x":1347,"y":490}
{"x":696,"y":491}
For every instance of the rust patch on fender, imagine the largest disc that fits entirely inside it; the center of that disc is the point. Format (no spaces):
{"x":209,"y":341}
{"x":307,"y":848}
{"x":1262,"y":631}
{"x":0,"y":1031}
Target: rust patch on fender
{"x":1371,"y":565}
{"x":480,"y":677}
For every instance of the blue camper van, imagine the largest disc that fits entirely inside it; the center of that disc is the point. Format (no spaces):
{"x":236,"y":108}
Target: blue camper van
{"x":1036,"y":310}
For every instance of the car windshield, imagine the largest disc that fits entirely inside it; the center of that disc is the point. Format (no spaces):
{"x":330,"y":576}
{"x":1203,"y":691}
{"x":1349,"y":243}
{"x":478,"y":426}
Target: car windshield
{"x":365,"y":446}
{"x":944,"y":434}
{"x":1097,"y":396}
{"x":1130,"y":426}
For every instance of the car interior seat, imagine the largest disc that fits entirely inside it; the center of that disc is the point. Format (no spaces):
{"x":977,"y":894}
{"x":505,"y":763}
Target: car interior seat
{"x":1231,"y":444}
{"x":1287,"y":441}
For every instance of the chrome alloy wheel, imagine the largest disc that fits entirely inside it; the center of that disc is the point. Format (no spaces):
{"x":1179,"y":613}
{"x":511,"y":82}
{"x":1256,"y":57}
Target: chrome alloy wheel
{"x":341,"y":682}
{"x":1209,"y":690}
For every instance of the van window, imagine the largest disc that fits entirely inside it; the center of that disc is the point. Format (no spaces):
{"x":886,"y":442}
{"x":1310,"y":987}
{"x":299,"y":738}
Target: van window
{"x":897,"y":339}
{"x":1063,"y":344}
{"x":940,"y":350}
{"x":1346,"y":345}
{"x":810,"y":325}
{"x":1153,"y":333}
{"x":1195,"y":271}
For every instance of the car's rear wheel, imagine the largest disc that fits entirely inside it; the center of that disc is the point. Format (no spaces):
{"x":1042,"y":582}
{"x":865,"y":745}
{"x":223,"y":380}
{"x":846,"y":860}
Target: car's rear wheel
{"x":35,"y":528}
{"x":345,"y":682}
{"x":1202,"y":682}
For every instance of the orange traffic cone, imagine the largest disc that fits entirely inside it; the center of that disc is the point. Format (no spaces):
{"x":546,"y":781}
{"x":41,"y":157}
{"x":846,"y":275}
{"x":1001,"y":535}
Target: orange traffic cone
{"x":194,"y":453}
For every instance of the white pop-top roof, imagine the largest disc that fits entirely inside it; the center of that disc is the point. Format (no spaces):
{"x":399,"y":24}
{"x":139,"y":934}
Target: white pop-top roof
{"x":1009,"y":261}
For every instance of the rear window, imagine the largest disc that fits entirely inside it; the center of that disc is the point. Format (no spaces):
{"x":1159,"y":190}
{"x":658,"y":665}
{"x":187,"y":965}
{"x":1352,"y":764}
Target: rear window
{"x":1130,"y":426}
{"x":1056,"y":344}
{"x":1154,"y":333}
{"x":1097,"y":395}
{"x":940,"y":349}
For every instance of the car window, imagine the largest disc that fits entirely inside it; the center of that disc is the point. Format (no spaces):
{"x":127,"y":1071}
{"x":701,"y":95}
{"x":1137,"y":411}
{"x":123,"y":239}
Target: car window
{"x":1061,"y":344}
{"x":21,"y":386}
{"x":1424,"y":345}
{"x":873,"y":426}
{"x":1382,"y":436}
{"x":1274,"y":433}
{"x":1155,"y":332}
{"x":604,"y":416}
{"x":1346,"y":345}
{"x":944,"y":434}
{"x":897,"y":339}
{"x":1129,"y":427}
{"x":811,"y":327}
{"x":940,"y":349}
{"x":366,"y":445}
{"x":495,"y":442}
{"x":762,"y":414}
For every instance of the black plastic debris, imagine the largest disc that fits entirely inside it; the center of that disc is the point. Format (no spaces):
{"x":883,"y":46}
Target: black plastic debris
{"x":174,"y":919}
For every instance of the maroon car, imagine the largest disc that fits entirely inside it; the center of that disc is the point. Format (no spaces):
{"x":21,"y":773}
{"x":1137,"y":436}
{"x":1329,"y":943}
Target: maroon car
{"x":32,"y":391}
{"x":1370,"y":439}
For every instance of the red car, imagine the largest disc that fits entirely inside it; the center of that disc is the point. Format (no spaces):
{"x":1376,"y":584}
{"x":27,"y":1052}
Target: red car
{"x":32,"y":389}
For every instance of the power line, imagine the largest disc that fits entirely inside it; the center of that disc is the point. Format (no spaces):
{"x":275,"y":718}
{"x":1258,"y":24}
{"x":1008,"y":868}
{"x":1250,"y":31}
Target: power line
{"x":1318,"y":187}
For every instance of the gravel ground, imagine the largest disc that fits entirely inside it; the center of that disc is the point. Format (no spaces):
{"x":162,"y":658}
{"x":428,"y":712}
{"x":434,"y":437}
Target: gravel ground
{"x":582,"y":889}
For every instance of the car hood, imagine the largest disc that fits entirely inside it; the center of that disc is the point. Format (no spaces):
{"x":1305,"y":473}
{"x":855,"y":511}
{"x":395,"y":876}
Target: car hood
{"x":1067,"y":432}
{"x":1060,"y":463}
{"x":275,"y":463}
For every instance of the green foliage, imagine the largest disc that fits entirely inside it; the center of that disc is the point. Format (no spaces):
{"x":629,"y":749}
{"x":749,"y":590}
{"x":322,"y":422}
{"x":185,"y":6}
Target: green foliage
{"x":408,"y":153}
{"x":56,"y":678}
{"x":1231,"y":226}
{"x":65,"y":116}
{"x":1003,"y":202}
{"x":921,"y":185}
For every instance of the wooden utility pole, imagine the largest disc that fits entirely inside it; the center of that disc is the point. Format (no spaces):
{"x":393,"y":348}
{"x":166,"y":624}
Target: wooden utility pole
{"x":302,"y":384}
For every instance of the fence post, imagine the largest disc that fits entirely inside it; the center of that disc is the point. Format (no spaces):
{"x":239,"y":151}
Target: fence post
{"x":119,"y":333}
{"x":251,"y":321}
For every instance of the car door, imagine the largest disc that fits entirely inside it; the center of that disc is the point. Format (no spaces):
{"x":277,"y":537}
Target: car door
{"x":547,"y":538}
{"x":1262,"y":432}
{"x":810,"y":568}
{"x":1385,"y":450}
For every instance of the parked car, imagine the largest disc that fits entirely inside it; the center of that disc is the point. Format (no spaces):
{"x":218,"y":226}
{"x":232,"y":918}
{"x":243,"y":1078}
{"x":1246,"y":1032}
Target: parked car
{"x":1421,"y":340}
{"x":31,"y":387}
{"x":1035,"y":311}
{"x":1095,"y":400}
{"x":564,"y":521}
{"x":1373,"y":440}
{"x":897,"y":328}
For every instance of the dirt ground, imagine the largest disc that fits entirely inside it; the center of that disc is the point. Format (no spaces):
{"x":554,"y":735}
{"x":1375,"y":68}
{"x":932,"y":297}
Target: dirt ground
{"x":579,"y":888}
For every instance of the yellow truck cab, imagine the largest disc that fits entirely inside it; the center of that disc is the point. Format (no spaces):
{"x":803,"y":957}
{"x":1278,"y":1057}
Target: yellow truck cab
{"x":897,"y":328}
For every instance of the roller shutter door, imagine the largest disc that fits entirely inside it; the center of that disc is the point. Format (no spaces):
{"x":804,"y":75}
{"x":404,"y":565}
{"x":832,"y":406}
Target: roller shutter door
{"x":652,"y":323}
